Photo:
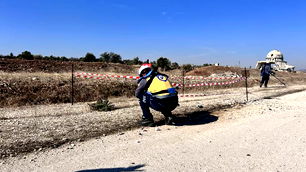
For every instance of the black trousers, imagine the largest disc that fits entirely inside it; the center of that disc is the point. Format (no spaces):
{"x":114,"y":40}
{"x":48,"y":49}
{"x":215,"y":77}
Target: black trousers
{"x":165,"y":106}
{"x":264,"y":80}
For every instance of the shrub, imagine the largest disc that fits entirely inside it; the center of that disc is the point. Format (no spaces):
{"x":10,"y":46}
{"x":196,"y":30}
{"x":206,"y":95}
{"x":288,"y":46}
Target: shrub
{"x":102,"y":105}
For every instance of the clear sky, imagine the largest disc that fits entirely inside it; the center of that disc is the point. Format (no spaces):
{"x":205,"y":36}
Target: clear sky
{"x":230,"y":32}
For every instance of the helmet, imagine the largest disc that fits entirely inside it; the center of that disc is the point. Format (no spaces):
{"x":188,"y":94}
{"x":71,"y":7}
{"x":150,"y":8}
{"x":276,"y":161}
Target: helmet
{"x":144,"y":66}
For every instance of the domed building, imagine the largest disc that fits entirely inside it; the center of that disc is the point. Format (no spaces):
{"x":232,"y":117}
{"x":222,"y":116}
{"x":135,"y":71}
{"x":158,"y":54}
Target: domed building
{"x":277,"y":58}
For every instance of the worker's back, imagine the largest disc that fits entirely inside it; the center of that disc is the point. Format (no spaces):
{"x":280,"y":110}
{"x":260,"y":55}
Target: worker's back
{"x":266,"y":70}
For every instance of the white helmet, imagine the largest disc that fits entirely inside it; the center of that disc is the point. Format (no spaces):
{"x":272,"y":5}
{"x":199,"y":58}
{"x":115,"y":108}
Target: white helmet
{"x":144,"y":66}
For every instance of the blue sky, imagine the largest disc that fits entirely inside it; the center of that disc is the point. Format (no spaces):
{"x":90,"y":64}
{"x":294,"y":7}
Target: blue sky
{"x":187,"y":31}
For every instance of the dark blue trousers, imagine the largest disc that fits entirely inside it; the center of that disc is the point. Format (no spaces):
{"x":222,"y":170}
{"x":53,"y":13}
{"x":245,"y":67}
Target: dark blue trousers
{"x":265,"y":80}
{"x":164,"y":105}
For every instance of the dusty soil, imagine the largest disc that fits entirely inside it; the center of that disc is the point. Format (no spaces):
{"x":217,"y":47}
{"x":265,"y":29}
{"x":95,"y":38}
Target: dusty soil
{"x":36,"y":128}
{"x":41,"y":128}
{"x":265,"y":134}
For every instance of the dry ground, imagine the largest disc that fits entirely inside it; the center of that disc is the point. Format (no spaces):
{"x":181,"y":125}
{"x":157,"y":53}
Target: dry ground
{"x":36,"y":128}
{"x":263,"y":135}
{"x":46,"y":125}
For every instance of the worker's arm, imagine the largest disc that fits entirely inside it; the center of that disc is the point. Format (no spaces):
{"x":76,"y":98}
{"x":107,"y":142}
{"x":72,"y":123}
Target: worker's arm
{"x":140,"y":89}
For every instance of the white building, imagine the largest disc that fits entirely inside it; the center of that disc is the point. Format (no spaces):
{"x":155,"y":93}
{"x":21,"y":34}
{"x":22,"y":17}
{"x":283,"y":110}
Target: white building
{"x":276,"y":57}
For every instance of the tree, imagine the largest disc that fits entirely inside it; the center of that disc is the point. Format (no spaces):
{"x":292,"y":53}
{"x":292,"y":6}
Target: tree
{"x":110,"y":57}
{"x":105,"y":57}
{"x":38,"y":57}
{"x":187,"y":67}
{"x":207,"y":64}
{"x":89,"y":57}
{"x":26,"y":55}
{"x":163,"y":63}
{"x":115,"y":58}
{"x":136,"y":61}
{"x":63,"y":58}
{"x":175,"y":65}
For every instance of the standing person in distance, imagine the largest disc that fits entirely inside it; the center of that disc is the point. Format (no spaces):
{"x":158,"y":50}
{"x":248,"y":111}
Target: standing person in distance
{"x":265,"y":72}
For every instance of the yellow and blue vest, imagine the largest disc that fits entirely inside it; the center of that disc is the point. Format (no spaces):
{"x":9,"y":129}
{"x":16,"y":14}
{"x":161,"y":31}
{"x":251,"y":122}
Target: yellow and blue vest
{"x":161,"y":87}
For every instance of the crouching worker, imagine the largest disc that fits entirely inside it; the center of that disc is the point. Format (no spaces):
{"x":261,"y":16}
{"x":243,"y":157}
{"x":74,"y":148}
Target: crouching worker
{"x":155,"y":91}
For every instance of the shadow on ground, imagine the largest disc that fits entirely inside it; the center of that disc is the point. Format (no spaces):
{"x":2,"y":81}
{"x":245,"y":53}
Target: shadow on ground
{"x":119,"y":169}
{"x":194,"y":118}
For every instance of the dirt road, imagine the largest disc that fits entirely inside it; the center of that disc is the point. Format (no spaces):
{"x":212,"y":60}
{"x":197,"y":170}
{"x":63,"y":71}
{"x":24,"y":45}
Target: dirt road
{"x":265,"y":135}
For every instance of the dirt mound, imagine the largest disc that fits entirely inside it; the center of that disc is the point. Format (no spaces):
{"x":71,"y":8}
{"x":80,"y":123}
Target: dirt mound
{"x":209,"y":70}
{"x":49,"y":66}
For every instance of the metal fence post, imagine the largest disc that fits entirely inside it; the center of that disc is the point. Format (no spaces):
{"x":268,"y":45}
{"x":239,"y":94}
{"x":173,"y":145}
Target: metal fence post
{"x":183,"y":73}
{"x":72,"y":86}
{"x":246,"y":84}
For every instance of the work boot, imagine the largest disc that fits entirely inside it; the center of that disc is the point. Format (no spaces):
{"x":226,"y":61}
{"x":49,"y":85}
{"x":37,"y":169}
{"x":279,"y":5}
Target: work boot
{"x":147,"y":122}
{"x":170,"y":120}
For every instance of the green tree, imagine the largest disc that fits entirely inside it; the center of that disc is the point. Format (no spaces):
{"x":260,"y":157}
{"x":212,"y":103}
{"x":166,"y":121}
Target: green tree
{"x":38,"y":57}
{"x":136,"y":61}
{"x":105,"y":57}
{"x":115,"y":58}
{"x":163,"y":63}
{"x":187,"y":67}
{"x":63,"y":58}
{"x":207,"y":64}
{"x":26,"y":55}
{"x":175,"y":65}
{"x":89,"y":57}
{"x":128,"y":62}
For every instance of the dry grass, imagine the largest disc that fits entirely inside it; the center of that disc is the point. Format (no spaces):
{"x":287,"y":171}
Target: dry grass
{"x":19,"y":89}
{"x":53,"y":121}
{"x":23,"y":88}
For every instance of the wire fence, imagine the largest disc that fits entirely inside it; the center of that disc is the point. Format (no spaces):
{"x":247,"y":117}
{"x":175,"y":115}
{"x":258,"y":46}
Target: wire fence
{"x":182,"y":82}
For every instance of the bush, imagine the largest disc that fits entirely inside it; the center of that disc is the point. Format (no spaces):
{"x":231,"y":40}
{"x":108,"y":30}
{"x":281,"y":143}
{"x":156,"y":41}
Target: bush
{"x":102,"y":105}
{"x":89,"y":57}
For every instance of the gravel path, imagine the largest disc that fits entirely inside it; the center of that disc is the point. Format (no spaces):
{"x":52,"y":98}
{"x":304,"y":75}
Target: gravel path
{"x":263,"y":135}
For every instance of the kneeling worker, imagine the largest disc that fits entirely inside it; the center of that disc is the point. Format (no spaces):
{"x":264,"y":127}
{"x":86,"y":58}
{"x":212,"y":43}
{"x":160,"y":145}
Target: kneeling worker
{"x":155,"y":91}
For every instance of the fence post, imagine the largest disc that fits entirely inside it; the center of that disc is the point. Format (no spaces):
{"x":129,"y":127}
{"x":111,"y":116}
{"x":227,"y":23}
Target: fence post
{"x":72,"y":86}
{"x":246,"y":84}
{"x":183,"y":73}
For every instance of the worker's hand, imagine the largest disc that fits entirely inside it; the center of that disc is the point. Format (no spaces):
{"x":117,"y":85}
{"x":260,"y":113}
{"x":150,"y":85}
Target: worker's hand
{"x":272,"y":73}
